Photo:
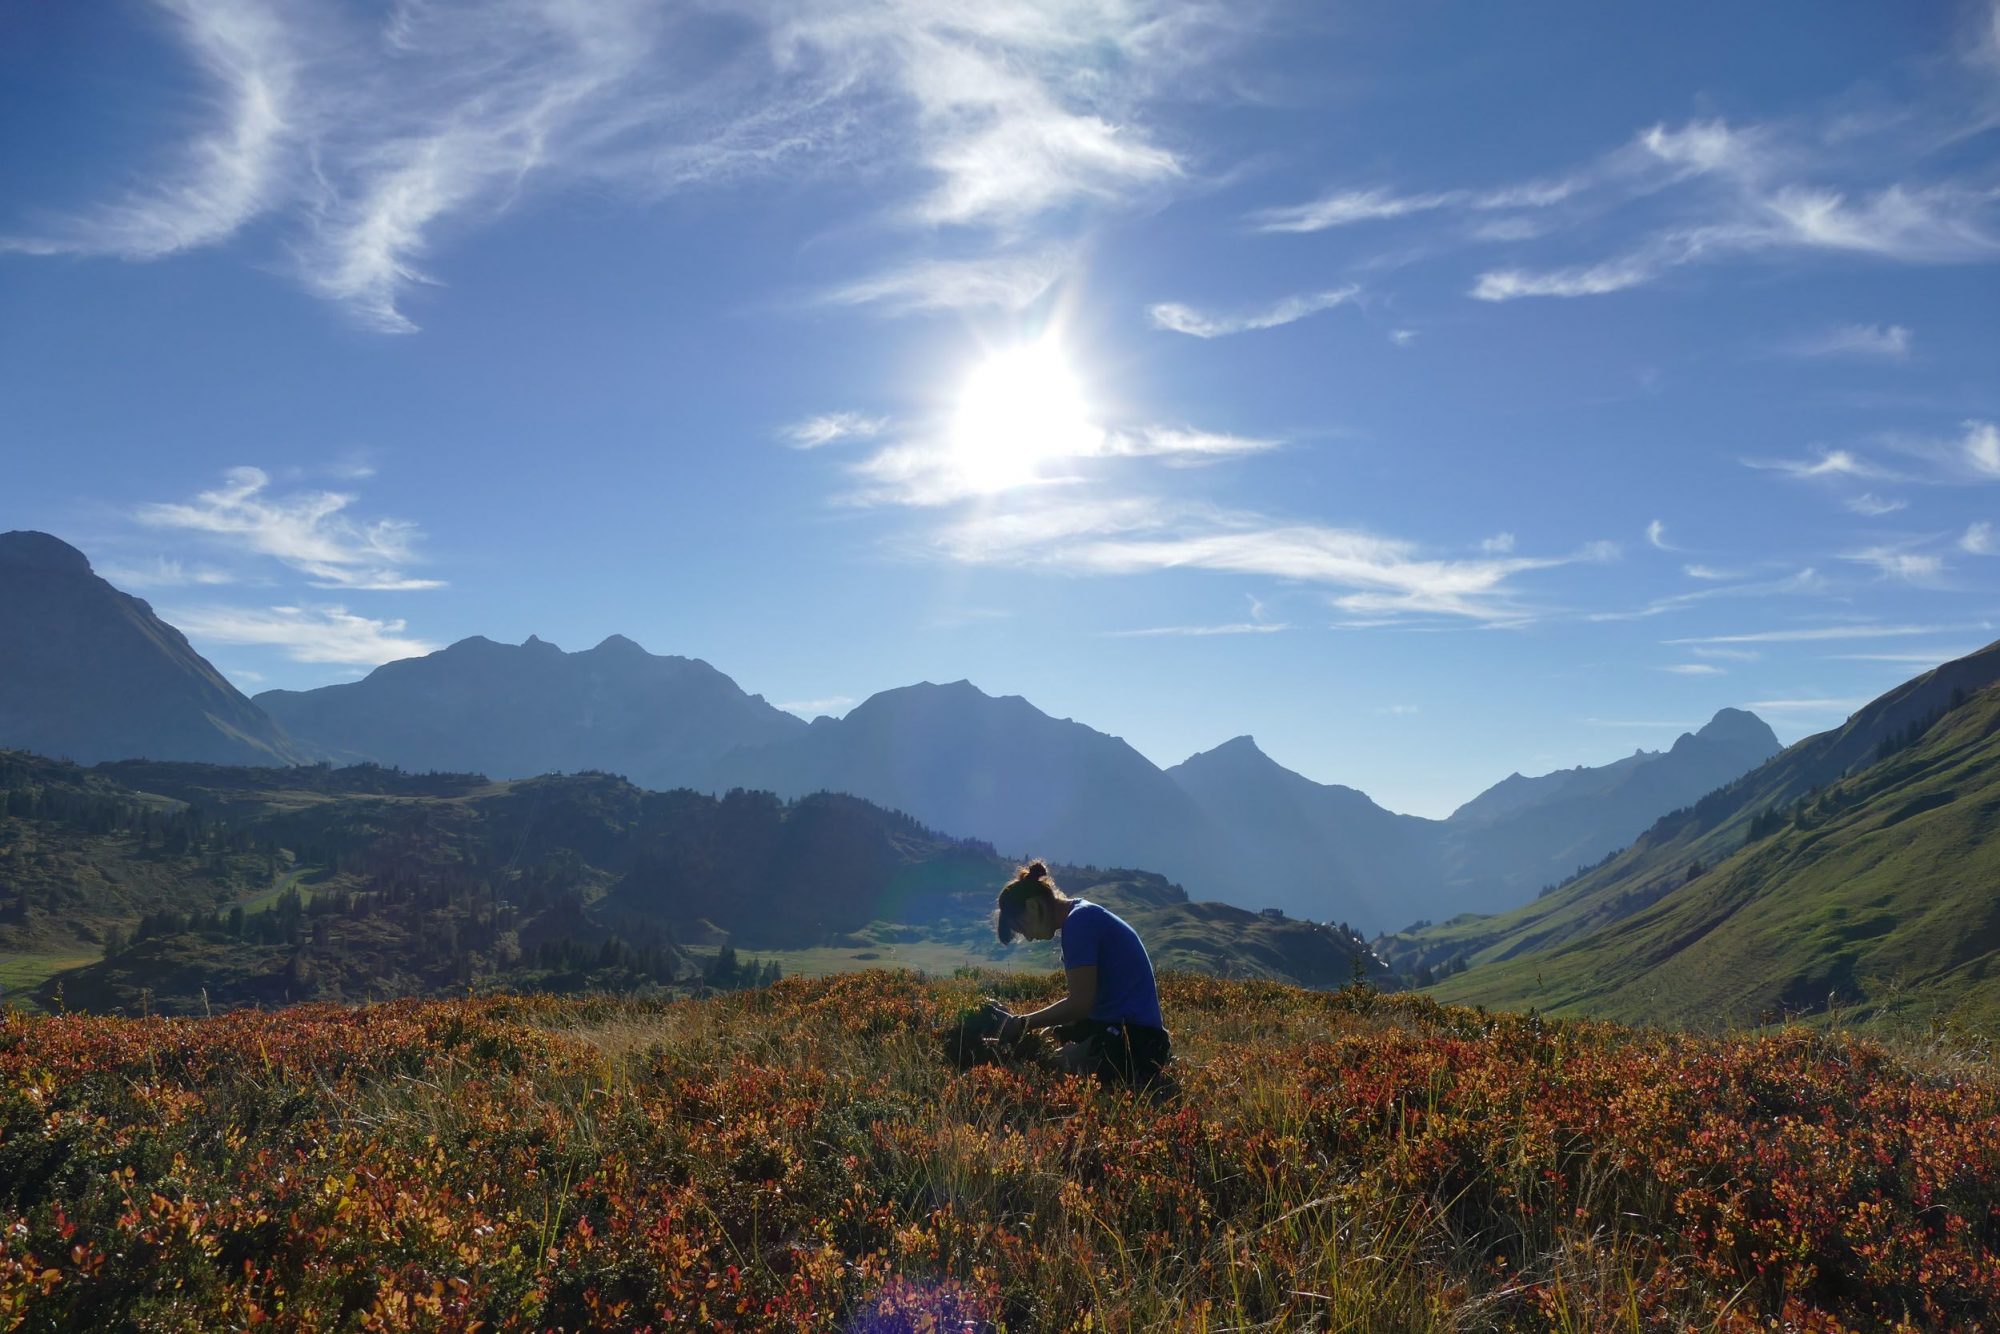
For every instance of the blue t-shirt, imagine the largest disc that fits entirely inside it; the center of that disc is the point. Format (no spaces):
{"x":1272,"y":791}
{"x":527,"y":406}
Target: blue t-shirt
{"x":1126,"y":993}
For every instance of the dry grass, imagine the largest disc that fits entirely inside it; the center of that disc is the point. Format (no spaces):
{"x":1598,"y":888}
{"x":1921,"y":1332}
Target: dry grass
{"x":800,"y":1158}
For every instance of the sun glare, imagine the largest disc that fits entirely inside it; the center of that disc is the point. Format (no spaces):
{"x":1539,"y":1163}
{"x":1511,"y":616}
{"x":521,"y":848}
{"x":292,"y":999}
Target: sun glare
{"x":1020,"y":409}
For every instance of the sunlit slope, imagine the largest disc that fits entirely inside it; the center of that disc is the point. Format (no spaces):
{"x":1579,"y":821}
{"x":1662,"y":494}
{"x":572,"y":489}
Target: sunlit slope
{"x":1812,"y":885}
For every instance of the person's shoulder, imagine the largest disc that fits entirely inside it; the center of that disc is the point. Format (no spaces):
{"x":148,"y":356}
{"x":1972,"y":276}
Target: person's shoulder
{"x":1097,"y":917}
{"x":1085,"y":913}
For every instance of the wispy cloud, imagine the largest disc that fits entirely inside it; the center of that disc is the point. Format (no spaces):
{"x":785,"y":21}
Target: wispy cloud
{"x":1874,"y":506}
{"x":1403,"y":337}
{"x":1374,"y":576}
{"x":1804,"y":583}
{"x":1819,"y":633}
{"x":1973,"y":455}
{"x":1707,"y":572}
{"x":1729,"y":654}
{"x":160,"y":572}
{"x":1831,"y":463}
{"x":1917,"y":225}
{"x":1746,"y":198}
{"x":1187,"y":320}
{"x":1982,"y":447}
{"x":1835,"y":706}
{"x":829,"y":427}
{"x":1693,"y":669}
{"x":232,"y":169}
{"x":1979,"y":540}
{"x":1900,"y":563}
{"x":1887,"y":342}
{"x":1498,"y":545}
{"x":364,"y":131}
{"x":307,"y":531}
{"x":1656,"y":535}
{"x":1176,"y":444}
{"x":1583,"y":280}
{"x":1006,"y":282}
{"x":304,"y":634}
{"x":1341,"y":208}
{"x":1348,"y":206}
{"x":1924,"y":659}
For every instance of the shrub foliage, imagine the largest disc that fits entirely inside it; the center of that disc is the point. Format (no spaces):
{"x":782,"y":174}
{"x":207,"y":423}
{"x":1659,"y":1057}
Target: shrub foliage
{"x":799,"y":1158}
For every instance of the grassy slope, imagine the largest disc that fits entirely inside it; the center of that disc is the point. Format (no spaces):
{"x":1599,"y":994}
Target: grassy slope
{"x":1885,"y":902}
{"x":1212,"y":938}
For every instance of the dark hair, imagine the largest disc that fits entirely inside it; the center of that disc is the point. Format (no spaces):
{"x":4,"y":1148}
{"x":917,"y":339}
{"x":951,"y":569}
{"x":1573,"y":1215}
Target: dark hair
{"x":1030,"y":882}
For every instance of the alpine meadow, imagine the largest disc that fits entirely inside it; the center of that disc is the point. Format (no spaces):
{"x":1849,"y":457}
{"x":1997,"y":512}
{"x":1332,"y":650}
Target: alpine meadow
{"x":909,"y":667}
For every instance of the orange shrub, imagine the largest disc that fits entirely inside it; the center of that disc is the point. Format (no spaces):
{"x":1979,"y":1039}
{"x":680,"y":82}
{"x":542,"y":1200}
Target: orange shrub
{"x":799,"y":1159}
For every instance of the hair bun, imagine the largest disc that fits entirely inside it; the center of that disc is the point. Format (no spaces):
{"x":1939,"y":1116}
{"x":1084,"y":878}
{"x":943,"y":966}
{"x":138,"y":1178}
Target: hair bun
{"x":1035,"y":871}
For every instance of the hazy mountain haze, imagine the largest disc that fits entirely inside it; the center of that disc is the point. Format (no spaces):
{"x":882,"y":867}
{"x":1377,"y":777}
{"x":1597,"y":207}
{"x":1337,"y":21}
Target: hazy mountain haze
{"x":90,"y":673}
{"x":514,"y":711}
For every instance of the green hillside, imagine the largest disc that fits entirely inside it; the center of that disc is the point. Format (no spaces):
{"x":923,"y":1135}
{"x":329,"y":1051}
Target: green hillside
{"x":182,"y":888}
{"x":1854,"y":872}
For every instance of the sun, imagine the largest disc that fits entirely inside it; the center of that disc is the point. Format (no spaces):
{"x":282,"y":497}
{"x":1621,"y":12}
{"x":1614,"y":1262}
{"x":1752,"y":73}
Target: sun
{"x":1020,"y":409}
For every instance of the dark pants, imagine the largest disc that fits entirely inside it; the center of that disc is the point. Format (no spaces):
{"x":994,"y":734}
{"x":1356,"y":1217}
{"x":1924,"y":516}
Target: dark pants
{"x":1129,"y":1054}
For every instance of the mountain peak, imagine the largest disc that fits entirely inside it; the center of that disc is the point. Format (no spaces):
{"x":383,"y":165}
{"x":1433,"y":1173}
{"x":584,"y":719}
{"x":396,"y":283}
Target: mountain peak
{"x":29,"y":549}
{"x":618,"y":644}
{"x":1738,"y":727}
{"x":1239,"y":756}
{"x":539,"y":644}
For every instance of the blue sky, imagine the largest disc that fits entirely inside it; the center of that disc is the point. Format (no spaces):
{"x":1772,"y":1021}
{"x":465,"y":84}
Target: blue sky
{"x":1432,"y":391}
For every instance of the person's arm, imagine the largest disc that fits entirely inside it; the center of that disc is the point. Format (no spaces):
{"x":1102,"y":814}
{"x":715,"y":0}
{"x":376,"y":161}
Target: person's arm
{"x":1077,"y":1005}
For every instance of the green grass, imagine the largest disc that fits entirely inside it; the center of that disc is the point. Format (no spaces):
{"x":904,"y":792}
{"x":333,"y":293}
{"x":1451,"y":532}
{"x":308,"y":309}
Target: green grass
{"x":22,"y":974}
{"x":936,"y":949}
{"x":267,"y":899}
{"x":936,"y":958}
{"x":1883,"y":905}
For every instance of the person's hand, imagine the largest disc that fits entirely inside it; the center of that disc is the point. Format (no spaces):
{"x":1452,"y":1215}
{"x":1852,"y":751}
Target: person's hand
{"x":1012,"y":1029}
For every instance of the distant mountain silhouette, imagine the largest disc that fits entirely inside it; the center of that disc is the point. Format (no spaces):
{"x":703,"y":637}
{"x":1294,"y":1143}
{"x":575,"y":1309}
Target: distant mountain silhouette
{"x":1313,"y":849}
{"x":998,"y":769}
{"x":90,"y":673}
{"x":1319,"y":850}
{"x":1524,"y":834}
{"x":518,"y":710}
{"x":1231,"y":823}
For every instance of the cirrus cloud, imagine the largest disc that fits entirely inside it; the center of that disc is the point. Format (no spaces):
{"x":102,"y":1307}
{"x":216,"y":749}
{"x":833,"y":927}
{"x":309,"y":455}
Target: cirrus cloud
{"x":307,"y":530}
{"x":325,"y":634}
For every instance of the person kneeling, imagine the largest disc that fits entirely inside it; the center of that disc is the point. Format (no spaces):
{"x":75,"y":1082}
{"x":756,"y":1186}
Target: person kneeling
{"x":1110,"y":1020}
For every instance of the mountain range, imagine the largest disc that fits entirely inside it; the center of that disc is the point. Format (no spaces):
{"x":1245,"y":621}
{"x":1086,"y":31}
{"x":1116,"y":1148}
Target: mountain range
{"x":90,"y":673}
{"x":1858,"y":871}
{"x":514,"y":711}
{"x":1229,"y":823}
